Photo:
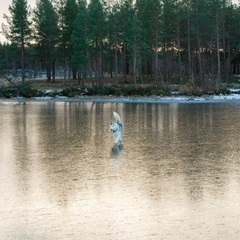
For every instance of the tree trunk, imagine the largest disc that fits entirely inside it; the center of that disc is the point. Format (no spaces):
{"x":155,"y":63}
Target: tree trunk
{"x":74,"y":73}
{"x":48,"y":71}
{"x":156,"y":54}
{"x":179,"y":53}
{"x":100,"y":65}
{"x":116,"y":65}
{"x":218,"y":79}
{"x":23,"y":61}
{"x":53,"y":71}
{"x":200,"y":61}
{"x":116,"y":57}
{"x":228,"y":61}
{"x":135,"y":68}
{"x":189,"y":49}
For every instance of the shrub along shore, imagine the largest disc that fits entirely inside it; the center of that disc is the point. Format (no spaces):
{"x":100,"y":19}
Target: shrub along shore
{"x":59,"y":88}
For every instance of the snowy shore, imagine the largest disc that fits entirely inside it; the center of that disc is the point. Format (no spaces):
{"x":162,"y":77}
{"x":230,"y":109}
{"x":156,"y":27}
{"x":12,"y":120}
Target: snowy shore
{"x":135,"y":99}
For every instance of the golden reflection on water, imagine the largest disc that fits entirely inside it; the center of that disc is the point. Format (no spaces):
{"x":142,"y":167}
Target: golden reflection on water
{"x":177,"y":176}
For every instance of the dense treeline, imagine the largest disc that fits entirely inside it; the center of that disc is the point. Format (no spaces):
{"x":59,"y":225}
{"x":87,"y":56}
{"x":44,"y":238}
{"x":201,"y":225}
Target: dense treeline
{"x":163,"y":41}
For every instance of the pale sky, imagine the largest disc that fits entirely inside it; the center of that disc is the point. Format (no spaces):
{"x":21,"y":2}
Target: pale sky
{"x":4,"y":4}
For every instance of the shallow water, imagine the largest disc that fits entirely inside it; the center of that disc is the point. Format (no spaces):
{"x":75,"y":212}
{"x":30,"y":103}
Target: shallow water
{"x":177,"y":176}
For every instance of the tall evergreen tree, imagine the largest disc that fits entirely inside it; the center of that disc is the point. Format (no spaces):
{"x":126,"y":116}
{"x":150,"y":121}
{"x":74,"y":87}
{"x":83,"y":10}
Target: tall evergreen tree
{"x":80,"y":40}
{"x":113,"y":32}
{"x":19,"y":28}
{"x":217,"y":11}
{"x":134,"y":39}
{"x":201,"y":29}
{"x":125,"y":21}
{"x":61,"y":55}
{"x":47,"y":32}
{"x":233,"y":35}
{"x":70,"y":12}
{"x":98,"y":34}
{"x":149,"y":13}
{"x":169,"y":35}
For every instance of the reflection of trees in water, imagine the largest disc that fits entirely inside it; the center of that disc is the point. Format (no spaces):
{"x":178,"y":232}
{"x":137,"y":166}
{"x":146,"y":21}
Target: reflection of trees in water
{"x":51,"y":140}
{"x":72,"y":130}
{"x":205,"y":147}
{"x":190,"y":140}
{"x":68,"y":146}
{"x":75,"y":142}
{"x":15,"y":142}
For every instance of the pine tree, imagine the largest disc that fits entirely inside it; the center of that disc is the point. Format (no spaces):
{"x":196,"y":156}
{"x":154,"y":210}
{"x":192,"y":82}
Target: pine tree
{"x":79,"y":40}
{"x":19,"y":31}
{"x":97,"y":28}
{"x":125,"y":21}
{"x":70,"y":12}
{"x":134,"y":38}
{"x":115,"y":38}
{"x":47,"y":32}
{"x":149,"y":13}
{"x":61,"y":55}
{"x":217,"y":8}
{"x":201,"y":29}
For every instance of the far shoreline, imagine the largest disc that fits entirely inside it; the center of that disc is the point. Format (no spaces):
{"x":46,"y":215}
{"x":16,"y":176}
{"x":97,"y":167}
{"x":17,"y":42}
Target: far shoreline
{"x":130,"y":99}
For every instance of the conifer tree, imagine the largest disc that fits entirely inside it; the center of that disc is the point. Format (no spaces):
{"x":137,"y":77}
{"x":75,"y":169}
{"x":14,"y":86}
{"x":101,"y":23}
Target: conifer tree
{"x":18,"y":29}
{"x":113,"y":36}
{"x":47,"y":32}
{"x":149,"y":13}
{"x":97,"y":28}
{"x":70,"y":12}
{"x":79,"y":40}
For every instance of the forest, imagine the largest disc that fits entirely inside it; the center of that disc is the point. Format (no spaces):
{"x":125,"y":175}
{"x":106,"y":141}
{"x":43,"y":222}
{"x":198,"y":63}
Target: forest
{"x":159,"y":42}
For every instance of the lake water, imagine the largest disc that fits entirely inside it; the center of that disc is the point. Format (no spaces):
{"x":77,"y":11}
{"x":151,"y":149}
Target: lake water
{"x":177,"y":176}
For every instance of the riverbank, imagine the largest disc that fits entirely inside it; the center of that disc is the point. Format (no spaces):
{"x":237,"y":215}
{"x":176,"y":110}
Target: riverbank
{"x":125,"y":93}
{"x":132,"y":99}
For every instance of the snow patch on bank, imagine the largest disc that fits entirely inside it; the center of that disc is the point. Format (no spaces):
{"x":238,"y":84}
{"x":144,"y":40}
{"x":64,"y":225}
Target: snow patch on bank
{"x":175,"y":98}
{"x":149,"y":99}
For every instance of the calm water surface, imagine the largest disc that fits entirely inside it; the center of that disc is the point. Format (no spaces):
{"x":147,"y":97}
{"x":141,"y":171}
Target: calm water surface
{"x":177,"y":176}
